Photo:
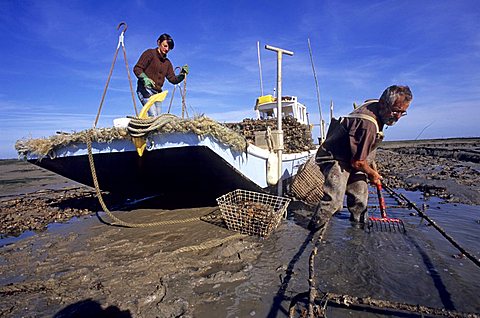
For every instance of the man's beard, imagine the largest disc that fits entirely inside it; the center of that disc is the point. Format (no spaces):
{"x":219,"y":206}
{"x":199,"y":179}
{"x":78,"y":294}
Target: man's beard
{"x":390,"y":121}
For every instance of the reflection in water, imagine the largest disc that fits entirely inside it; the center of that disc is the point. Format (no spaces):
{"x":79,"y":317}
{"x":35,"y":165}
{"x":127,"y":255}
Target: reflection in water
{"x":415,"y":268}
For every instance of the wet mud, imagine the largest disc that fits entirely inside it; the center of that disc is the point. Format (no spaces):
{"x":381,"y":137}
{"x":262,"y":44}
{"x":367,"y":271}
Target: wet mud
{"x":449,"y":169}
{"x":79,"y":267}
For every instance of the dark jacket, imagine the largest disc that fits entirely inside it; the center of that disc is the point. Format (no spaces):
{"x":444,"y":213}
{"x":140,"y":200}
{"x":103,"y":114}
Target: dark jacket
{"x":350,"y":138}
{"x":157,"y":68}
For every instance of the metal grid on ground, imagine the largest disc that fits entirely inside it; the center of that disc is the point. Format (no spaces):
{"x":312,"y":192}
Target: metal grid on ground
{"x":251,"y":212}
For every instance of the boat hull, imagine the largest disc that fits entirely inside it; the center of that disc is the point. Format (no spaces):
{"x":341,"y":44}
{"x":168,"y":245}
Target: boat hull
{"x":185,"y":168}
{"x":192,"y":173}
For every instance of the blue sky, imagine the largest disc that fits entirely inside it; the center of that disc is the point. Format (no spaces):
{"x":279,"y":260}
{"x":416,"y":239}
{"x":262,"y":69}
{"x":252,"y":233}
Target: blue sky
{"x":56,"y":56}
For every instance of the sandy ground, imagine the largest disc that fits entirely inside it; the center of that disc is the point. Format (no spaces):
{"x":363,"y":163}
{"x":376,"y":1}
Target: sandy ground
{"x":194,"y":269}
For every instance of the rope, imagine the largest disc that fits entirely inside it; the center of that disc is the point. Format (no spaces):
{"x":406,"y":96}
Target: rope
{"x":183,"y":94}
{"x":129,"y":80}
{"x":184,"y":97}
{"x":201,"y":126}
{"x":118,"y":221}
{"x":346,"y":300}
{"x":171,"y":98}
{"x":311,"y":278}
{"x":410,"y":204}
{"x":207,"y":244}
{"x":139,"y":127}
{"x":367,"y":302}
{"x":319,"y":310}
{"x":120,"y":43}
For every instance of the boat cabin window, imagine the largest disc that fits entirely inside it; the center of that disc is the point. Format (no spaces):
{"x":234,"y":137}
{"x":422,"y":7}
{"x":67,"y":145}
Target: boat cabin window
{"x":266,"y":107}
{"x":267,"y":114}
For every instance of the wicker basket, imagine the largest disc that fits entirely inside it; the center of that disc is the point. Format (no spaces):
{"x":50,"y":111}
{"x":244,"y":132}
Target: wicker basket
{"x":307,"y":184}
{"x":251,"y":212}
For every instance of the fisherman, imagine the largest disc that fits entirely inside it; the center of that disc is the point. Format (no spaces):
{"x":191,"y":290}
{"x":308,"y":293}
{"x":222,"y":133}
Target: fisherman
{"x":152,"y":68}
{"x":346,"y":158}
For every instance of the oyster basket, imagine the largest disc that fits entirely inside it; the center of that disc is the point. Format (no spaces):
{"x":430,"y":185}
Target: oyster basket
{"x":307,"y":184}
{"x":252,"y":213}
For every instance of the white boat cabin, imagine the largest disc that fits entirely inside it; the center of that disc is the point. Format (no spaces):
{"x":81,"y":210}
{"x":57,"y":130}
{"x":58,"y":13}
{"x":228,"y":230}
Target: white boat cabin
{"x":266,"y":107}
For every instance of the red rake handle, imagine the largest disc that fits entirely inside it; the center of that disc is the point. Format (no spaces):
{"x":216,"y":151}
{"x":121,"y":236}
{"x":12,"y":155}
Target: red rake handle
{"x":381,"y":201}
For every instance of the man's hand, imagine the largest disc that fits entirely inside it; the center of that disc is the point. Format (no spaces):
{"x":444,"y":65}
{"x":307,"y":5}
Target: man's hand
{"x":147,"y":81}
{"x":184,"y":69}
{"x":373,"y":176}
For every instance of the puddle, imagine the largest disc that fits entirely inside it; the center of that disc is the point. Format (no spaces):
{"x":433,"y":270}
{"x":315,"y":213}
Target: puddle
{"x":4,"y":241}
{"x":417,"y":267}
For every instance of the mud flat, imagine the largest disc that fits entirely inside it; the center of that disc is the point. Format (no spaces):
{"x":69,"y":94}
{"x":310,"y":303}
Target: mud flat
{"x":447,"y":168}
{"x":81,"y":267}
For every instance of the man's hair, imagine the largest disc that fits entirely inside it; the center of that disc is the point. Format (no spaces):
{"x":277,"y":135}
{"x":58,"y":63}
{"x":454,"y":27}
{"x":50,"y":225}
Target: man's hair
{"x":394,"y":94}
{"x":168,"y":38}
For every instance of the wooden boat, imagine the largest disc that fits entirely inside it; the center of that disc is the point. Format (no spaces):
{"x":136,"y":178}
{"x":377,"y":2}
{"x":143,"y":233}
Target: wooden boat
{"x":191,"y":166}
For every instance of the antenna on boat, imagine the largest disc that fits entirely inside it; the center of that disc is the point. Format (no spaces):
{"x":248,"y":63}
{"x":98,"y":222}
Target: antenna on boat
{"x":260,"y":68}
{"x":279,"y":133}
{"x":331,"y":110}
{"x":322,"y":123}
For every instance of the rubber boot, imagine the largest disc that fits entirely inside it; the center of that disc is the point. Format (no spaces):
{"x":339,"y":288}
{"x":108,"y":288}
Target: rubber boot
{"x":359,"y":220}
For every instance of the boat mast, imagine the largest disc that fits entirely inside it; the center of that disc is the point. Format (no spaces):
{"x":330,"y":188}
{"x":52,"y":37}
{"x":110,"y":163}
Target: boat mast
{"x":260,"y":68}
{"x":280,"y":52}
{"x":322,"y":123}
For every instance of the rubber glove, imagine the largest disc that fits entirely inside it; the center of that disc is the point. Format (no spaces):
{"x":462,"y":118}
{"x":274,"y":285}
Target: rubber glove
{"x":147,"y":81}
{"x":184,"y":69}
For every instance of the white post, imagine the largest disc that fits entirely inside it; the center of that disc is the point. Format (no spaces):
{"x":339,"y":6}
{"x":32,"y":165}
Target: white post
{"x":280,"y":52}
{"x":260,"y":68}
{"x":331,"y":110}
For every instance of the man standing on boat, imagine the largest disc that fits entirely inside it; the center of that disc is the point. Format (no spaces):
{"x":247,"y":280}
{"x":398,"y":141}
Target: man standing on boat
{"x":346,"y":157}
{"x":151,"y":70}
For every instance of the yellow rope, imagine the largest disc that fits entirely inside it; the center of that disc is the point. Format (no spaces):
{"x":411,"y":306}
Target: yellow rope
{"x":201,"y":126}
{"x":208,"y":244}
{"x":110,"y":214}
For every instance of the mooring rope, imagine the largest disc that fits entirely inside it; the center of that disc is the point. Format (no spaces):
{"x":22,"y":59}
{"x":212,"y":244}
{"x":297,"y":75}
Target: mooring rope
{"x":110,"y":214}
{"x":313,"y":294}
{"x":122,"y":44}
{"x":348,"y":301}
{"x":412,"y":205}
{"x":311,"y":278}
{"x":201,"y":126}
{"x":208,"y":244}
{"x":140,"y":127}
{"x":317,"y":300}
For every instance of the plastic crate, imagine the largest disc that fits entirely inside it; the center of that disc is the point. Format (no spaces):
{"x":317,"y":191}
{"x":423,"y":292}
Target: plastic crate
{"x":265,"y":99}
{"x":252,"y":213}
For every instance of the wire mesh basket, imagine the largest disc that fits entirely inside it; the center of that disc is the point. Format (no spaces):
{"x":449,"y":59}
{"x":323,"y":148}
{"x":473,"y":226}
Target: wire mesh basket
{"x":307,"y":184}
{"x":252,"y":213}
